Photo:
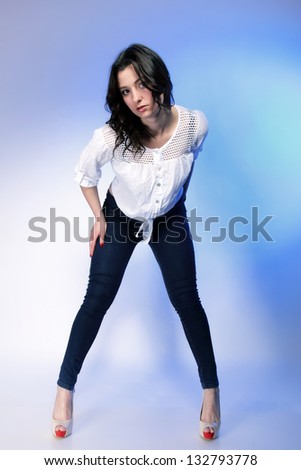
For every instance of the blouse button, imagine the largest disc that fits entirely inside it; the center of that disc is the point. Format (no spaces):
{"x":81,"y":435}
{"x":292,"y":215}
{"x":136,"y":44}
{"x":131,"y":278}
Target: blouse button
{"x":158,"y":184}
{"x":157,"y":201}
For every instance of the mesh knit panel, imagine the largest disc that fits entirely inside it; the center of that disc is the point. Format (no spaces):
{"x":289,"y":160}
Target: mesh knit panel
{"x":180,"y":143}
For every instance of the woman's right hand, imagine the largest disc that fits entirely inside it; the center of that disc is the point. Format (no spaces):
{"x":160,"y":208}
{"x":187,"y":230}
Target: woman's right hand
{"x":98,"y":230}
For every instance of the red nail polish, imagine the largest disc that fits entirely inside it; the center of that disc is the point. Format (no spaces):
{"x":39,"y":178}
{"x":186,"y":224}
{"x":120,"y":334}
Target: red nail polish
{"x":102,"y":244}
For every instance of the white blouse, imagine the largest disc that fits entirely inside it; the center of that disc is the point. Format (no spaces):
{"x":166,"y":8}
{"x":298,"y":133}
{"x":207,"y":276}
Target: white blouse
{"x":146,"y":186}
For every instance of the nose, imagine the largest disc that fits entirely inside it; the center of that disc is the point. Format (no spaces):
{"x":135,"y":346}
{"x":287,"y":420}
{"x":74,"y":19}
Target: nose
{"x":136,"y":96}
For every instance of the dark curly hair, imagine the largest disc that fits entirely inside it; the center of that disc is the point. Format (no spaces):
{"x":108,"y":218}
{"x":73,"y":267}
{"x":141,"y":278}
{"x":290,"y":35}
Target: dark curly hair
{"x":153,"y":73}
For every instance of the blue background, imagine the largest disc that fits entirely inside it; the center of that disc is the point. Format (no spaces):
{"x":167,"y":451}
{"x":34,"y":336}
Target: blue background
{"x":239,"y":62}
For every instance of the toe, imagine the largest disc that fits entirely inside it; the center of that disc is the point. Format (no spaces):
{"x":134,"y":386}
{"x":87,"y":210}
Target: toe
{"x":209,"y":432}
{"x":60,"y":431}
{"x":208,"y":435}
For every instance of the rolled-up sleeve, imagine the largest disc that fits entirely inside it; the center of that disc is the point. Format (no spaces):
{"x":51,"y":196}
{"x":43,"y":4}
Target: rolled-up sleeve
{"x":92,"y":159}
{"x":202,"y":131}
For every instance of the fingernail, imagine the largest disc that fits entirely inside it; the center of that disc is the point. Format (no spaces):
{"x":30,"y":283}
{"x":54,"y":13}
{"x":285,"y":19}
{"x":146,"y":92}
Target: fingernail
{"x":102,"y":244}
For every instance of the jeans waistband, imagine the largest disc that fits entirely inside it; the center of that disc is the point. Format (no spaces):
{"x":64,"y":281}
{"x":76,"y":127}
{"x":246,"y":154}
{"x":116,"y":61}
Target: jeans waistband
{"x":178,"y":208}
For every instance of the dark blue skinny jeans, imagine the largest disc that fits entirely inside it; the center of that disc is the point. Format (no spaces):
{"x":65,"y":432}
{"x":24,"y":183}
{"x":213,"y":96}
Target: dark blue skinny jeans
{"x":173,"y":249}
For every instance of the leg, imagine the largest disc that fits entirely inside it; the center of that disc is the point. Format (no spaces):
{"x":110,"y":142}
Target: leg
{"x":173,"y":248}
{"x":108,"y":265}
{"x":107,"y":268}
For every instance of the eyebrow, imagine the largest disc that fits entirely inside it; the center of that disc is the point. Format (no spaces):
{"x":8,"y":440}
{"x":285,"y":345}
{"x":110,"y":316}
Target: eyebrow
{"x":125,"y":87}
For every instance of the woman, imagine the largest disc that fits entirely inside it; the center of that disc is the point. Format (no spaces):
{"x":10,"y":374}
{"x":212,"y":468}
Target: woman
{"x":152,"y":145}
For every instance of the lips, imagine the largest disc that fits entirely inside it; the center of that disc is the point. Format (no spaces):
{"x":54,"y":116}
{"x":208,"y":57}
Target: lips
{"x":141,"y":108}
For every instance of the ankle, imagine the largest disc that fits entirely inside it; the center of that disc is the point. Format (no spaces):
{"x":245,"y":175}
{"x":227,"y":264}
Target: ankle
{"x":63,"y":403}
{"x":210,"y":410}
{"x":214,"y":390}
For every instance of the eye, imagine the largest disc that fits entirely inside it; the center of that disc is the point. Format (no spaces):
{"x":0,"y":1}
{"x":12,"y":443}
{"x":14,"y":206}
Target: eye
{"x":141,"y":85}
{"x":124,"y":92}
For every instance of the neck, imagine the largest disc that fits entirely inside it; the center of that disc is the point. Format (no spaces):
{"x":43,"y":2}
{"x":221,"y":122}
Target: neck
{"x":158,"y":123}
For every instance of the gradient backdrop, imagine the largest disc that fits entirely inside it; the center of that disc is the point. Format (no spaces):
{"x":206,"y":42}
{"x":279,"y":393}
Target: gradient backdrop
{"x":239,"y":62}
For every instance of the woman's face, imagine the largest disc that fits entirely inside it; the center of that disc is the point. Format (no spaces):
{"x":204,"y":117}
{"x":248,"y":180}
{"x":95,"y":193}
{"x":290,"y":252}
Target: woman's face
{"x":136,"y":96}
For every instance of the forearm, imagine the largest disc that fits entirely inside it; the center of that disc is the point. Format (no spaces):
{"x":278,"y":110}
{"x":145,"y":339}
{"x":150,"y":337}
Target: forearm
{"x":92,"y":197}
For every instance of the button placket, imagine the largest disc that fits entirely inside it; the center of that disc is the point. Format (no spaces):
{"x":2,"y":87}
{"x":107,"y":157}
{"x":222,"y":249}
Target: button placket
{"x":158,"y":178}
